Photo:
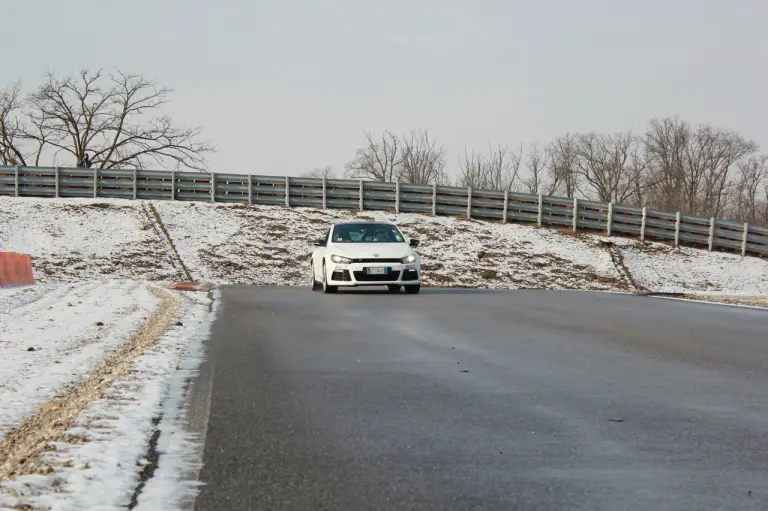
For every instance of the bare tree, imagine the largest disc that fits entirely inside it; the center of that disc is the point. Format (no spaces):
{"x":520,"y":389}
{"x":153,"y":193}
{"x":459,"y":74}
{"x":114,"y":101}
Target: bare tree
{"x":720,"y":150}
{"x":320,"y":172}
{"x":752,"y":178}
{"x":665,"y":143}
{"x":605,"y":162}
{"x":503,"y":168}
{"x":471,"y":168}
{"x":536,"y":162}
{"x":564,"y":166}
{"x":11,"y":127}
{"x":499,"y":170}
{"x":691,"y":169}
{"x":378,"y":161}
{"x":112,"y":119}
{"x":423,"y":162}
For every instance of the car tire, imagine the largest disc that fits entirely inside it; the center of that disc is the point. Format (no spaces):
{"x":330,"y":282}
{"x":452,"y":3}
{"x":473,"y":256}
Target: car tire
{"x":326,"y":288}
{"x":315,"y":283}
{"x":413,"y":290}
{"x":394,"y":288}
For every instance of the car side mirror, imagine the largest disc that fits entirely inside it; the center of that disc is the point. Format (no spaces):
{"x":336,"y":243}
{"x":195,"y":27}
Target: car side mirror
{"x":413,"y":243}
{"x":319,"y":243}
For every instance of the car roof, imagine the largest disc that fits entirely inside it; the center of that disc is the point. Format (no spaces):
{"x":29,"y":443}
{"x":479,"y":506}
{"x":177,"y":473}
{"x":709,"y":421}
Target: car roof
{"x":361,"y":222}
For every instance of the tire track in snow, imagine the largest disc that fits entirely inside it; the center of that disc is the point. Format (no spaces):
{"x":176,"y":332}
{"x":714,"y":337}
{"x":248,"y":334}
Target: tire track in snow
{"x":22,"y":446}
{"x":52,"y":343}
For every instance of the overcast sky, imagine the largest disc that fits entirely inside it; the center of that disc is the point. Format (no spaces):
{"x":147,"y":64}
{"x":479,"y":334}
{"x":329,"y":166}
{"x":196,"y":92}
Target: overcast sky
{"x":285,"y":86}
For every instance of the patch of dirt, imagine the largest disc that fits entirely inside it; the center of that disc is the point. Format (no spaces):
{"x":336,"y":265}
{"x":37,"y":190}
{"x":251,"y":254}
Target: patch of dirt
{"x":439,"y":278}
{"x":487,"y":273}
{"x":317,"y":221}
{"x":618,"y":261}
{"x":413,"y":229}
{"x":430,"y":267}
{"x":607,"y":279}
{"x":653,"y":248}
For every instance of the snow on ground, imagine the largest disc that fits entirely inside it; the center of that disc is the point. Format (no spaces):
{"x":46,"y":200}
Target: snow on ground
{"x":662,"y":268}
{"x":59,"y":336}
{"x":98,"y":465}
{"x":271,"y":245}
{"x":174,"y":484}
{"x":72,"y":239}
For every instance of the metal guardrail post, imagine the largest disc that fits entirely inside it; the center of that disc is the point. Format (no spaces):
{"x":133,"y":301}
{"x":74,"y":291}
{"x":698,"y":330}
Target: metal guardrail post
{"x":575,"y":213}
{"x":434,"y":199}
{"x":325,"y":193}
{"x":540,"y":214}
{"x":609,"y":220}
{"x":744,"y":239}
{"x":62,"y":187}
{"x":506,"y":205}
{"x":469,"y":203}
{"x":287,"y":192}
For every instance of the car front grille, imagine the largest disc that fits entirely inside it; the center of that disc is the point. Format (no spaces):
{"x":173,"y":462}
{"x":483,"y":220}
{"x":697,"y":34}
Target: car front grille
{"x":361,"y":276}
{"x":410,"y":275}
{"x":377,"y":260}
{"x":341,"y":276}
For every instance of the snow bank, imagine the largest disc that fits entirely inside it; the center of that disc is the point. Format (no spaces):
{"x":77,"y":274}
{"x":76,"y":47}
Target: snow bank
{"x":103,"y":472}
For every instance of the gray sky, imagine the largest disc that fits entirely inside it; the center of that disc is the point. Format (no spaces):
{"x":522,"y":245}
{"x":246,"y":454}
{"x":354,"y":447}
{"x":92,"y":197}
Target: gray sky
{"x":286,"y":86}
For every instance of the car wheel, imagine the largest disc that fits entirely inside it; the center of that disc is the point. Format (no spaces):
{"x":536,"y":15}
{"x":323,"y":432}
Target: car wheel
{"x":326,"y":288}
{"x":413,"y":290}
{"x":394,"y":288}
{"x":315,"y":283}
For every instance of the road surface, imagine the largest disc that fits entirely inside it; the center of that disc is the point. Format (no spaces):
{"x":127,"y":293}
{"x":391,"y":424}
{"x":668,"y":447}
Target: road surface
{"x":466,"y":399}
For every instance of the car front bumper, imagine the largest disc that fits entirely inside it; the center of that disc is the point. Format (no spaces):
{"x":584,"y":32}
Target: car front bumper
{"x":354,"y":275}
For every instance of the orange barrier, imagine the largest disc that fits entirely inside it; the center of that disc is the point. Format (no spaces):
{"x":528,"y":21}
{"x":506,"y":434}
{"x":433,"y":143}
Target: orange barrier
{"x":191,"y":286}
{"x":15,"y":270}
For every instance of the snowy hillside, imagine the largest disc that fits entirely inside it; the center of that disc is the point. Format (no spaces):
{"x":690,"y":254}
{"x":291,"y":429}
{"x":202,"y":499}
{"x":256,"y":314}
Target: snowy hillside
{"x":74,"y":239}
{"x":79,"y":239}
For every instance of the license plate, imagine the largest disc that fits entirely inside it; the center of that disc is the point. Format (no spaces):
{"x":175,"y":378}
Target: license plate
{"x":377,"y":271}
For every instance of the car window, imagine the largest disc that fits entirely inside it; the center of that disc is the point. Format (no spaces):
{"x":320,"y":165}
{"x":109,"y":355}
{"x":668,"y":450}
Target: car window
{"x":367,"y":233}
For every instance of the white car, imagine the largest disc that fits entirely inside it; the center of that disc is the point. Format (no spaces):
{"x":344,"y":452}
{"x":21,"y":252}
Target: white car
{"x":353,"y":254}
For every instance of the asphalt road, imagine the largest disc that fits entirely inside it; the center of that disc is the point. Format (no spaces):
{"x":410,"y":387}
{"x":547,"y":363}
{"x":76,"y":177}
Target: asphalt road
{"x":458,"y":399}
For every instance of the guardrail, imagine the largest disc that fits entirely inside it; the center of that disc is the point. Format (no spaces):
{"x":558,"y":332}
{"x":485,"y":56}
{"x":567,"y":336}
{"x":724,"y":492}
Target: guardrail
{"x":543,"y":211}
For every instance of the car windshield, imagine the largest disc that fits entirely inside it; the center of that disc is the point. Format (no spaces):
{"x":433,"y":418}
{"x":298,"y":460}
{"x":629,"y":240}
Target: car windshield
{"x":367,"y":233}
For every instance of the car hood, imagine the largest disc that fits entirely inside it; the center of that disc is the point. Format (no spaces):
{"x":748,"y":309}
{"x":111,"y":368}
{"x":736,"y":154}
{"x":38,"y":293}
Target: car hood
{"x":367,"y":250}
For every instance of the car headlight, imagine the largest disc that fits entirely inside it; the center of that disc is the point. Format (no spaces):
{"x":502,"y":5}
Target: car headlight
{"x":340,"y":259}
{"x":409,"y":259}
